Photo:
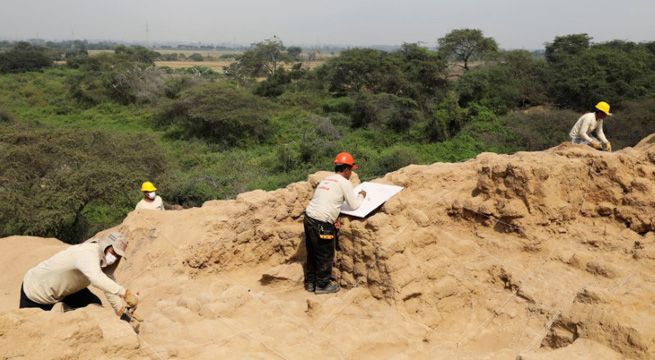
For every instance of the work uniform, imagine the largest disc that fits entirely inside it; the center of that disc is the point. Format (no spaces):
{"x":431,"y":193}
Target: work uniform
{"x":157,"y":204}
{"x":584,"y":127}
{"x":65,"y":276}
{"x":320,"y":233}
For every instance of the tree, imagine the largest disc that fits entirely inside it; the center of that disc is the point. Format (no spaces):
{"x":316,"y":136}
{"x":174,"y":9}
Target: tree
{"x":425,"y":71}
{"x":466,"y":44}
{"x":579,"y":74}
{"x":567,"y":45}
{"x":294,"y":53}
{"x":262,"y":59}
{"x":515,"y":81}
{"x":362,"y":70}
{"x":24,"y":57}
{"x":447,"y":119}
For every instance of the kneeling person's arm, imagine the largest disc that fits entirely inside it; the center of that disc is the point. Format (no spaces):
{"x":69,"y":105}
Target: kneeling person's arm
{"x":90,"y":267}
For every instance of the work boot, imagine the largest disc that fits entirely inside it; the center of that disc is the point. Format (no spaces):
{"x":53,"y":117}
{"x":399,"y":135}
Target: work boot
{"x":330,"y":288}
{"x":310,"y":287}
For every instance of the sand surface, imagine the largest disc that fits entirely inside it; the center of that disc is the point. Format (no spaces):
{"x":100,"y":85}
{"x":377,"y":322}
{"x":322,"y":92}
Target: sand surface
{"x":541,"y":255}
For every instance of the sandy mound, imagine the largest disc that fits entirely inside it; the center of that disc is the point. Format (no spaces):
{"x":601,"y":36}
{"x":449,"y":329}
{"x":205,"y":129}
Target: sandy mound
{"x":542,"y":255}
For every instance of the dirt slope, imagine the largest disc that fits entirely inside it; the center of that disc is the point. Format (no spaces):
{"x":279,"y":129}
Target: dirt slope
{"x":542,"y":255}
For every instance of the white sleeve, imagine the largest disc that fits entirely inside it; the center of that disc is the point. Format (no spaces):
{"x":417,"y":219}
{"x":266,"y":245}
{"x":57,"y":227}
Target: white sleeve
{"x":354,"y":201}
{"x":115,"y":300}
{"x":90,"y":267}
{"x":600,"y":133}
{"x":584,"y":128}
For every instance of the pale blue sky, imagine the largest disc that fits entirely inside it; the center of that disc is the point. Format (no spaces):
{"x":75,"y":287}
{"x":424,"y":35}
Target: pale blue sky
{"x":513,"y":23}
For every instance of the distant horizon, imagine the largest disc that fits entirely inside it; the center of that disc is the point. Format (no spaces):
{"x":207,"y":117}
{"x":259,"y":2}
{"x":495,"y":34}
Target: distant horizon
{"x":228,"y":45}
{"x":514,"y":24}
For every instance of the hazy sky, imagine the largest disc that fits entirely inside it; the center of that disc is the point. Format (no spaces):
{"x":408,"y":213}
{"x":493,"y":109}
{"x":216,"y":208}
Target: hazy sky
{"x":513,"y":23}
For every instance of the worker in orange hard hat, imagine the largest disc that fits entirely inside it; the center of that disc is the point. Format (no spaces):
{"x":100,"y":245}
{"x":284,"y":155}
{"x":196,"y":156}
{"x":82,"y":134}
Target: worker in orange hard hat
{"x":589,"y":123}
{"x":319,"y":222}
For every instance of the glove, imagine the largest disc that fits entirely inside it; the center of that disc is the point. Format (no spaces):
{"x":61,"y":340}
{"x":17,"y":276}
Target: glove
{"x":596,"y":145}
{"x":132,"y":314}
{"x":608,"y":147}
{"x":130,"y":299}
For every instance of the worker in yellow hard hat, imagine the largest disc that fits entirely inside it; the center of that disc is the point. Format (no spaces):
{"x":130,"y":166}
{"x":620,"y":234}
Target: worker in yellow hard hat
{"x":589,"y":123}
{"x":150,"y":201}
{"x":319,"y":223}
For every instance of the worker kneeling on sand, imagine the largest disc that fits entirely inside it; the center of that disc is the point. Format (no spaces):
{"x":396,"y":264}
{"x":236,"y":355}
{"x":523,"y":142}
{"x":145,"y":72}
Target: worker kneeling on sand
{"x":150,"y":201}
{"x":320,"y":216}
{"x":65,"y":276}
{"x":589,"y":123}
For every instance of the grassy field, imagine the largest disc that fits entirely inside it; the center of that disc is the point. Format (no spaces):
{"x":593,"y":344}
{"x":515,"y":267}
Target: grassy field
{"x":204,"y":53}
{"x":214,"y":65}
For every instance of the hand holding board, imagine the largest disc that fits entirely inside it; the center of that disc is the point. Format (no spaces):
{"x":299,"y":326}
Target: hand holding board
{"x":376,"y":195}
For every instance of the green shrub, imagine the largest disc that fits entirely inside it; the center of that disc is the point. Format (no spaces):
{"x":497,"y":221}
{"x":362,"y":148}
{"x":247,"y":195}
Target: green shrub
{"x":631,"y":123}
{"x":447,"y":119}
{"x":128,"y":76}
{"x":344,"y":105}
{"x":6,"y":116}
{"x":394,"y":160}
{"x":308,"y":100}
{"x":385,"y":111}
{"x":538,"y":128}
{"x":218,"y":112}
{"x":24,"y":57}
{"x":50,"y":176}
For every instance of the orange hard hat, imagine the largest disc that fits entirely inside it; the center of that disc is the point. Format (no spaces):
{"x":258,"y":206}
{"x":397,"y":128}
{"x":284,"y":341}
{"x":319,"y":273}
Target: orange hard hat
{"x":344,"y":158}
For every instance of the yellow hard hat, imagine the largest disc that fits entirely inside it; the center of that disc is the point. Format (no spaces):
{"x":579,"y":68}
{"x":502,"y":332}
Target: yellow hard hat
{"x":148,"y":187}
{"x":604,"y":107}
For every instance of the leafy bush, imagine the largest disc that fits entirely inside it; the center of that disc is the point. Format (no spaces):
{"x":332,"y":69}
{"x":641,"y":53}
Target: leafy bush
{"x":394,"y":160}
{"x":447,"y":119}
{"x":196,"y":57}
{"x":218,"y":112}
{"x":128,"y":76}
{"x":274,"y":85}
{"x":5,"y":116}
{"x":631,"y":123}
{"x":385,"y":111}
{"x":308,"y":100}
{"x":539,"y":128}
{"x":24,"y":57}
{"x":52,"y":176}
{"x":344,"y":105}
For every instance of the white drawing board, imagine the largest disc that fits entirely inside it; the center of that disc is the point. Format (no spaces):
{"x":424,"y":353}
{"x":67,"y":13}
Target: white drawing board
{"x":376,"y":195}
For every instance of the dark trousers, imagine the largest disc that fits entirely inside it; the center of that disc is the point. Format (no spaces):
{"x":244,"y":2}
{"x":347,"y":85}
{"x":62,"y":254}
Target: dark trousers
{"x":76,"y":300}
{"x":320,"y":252}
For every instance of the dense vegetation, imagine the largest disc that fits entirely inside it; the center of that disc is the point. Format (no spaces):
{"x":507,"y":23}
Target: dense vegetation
{"x":78,"y":136}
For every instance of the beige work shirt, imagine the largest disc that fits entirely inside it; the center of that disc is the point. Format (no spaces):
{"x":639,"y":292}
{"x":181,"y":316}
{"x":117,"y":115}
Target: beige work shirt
{"x":586,"y":125}
{"x":70,"y":271}
{"x":157,"y":204}
{"x":328,"y":197}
